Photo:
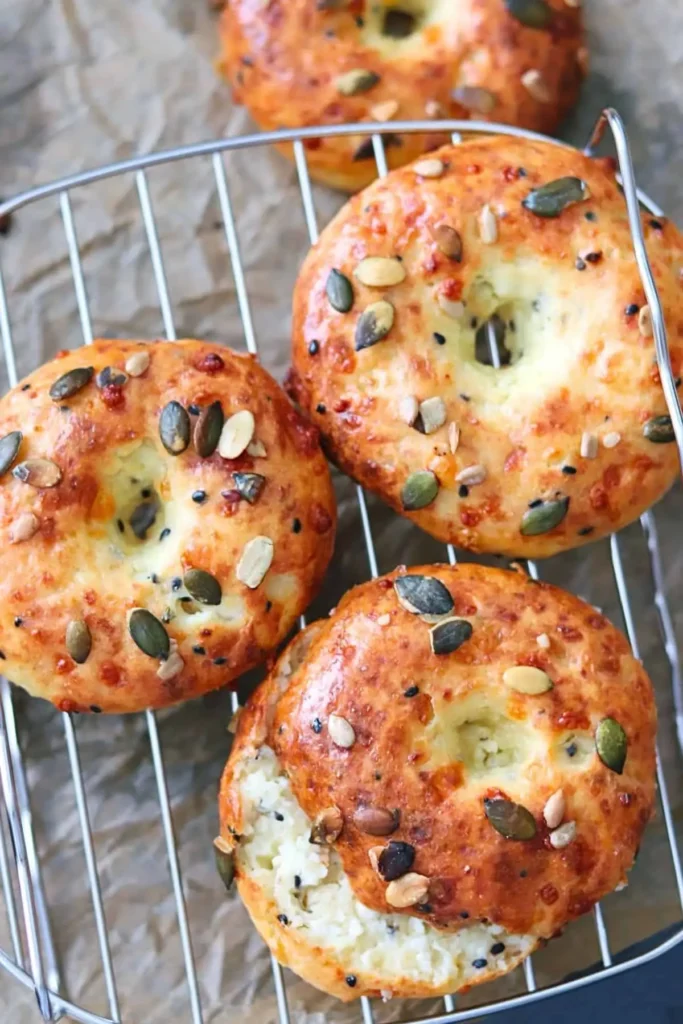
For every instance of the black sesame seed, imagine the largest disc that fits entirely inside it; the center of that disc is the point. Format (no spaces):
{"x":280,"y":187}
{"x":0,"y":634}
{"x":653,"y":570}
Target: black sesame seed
{"x":317,"y":725}
{"x":296,"y":526}
{"x":424,"y":908}
{"x":320,"y":408}
{"x":594,"y":257}
{"x":198,"y":649}
{"x":278,"y":816}
{"x":297,"y":881}
{"x":269,"y":605}
{"x":283,"y":919}
{"x":392,"y":928}
{"x":536,"y":502}
{"x":521,"y":173}
{"x":18,"y":621}
{"x":656,"y":224}
{"x":580,"y":265}
{"x":351,"y":978}
{"x":329,"y":33}
{"x":154,"y":578}
{"x":536,"y":305}
{"x":474,"y":322}
{"x":119,"y":523}
{"x":360,"y":21}
{"x":145,"y":493}
{"x":164,"y":533}
{"x":193,"y":410}
{"x":26,"y":387}
{"x":378,"y":776}
{"x":463,"y":490}
{"x":590,"y":215}
{"x":412,"y":691}
{"x":632,"y":309}
{"x":464,"y":914}
{"x":2,"y":656}
{"x":585,"y":530}
{"x":199,"y":496}
{"x":95,"y":710}
{"x":497,"y":948}
{"x":523,"y":873}
{"x":571,"y":749}
{"x":176,"y":583}
{"x":313,"y":348}
{"x":569,"y":470}
{"x":464,"y":397}
{"x":512,"y":325}
{"x":440,"y":339}
{"x":677,"y":382}
{"x":219,"y":661}
{"x":64,"y":408}
{"x":480,"y":963}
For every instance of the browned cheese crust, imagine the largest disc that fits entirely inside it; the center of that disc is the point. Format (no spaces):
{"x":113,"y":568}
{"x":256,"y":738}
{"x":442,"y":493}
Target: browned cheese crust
{"x":573,"y":428}
{"x":113,"y":522}
{"x":289,"y":63}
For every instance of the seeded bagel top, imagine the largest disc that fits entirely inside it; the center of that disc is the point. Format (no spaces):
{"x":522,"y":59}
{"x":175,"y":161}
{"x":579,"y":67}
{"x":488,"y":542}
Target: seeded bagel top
{"x":166,"y":515}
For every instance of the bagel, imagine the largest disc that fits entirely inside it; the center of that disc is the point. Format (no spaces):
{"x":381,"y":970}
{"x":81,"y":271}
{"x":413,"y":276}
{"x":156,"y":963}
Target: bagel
{"x":455,"y":764}
{"x":166,"y":515}
{"x":570,"y":438}
{"x":304,"y":62}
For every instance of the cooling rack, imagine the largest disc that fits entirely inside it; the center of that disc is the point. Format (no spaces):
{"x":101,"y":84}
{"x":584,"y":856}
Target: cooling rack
{"x":33,"y":959}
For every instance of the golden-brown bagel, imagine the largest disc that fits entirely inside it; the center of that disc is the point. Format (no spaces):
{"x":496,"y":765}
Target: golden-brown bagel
{"x":572,"y":437}
{"x":405,"y":738}
{"x":98,"y":518}
{"x":290,"y":62}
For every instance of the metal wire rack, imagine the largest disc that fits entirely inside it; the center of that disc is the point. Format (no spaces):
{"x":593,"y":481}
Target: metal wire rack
{"x":33,"y":960}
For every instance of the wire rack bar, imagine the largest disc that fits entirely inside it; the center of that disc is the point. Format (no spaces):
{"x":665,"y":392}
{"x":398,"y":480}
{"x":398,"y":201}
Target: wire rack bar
{"x":235,"y":255}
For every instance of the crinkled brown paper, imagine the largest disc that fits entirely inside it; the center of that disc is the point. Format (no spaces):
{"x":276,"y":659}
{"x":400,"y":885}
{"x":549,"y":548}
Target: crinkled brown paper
{"x":83,"y":82}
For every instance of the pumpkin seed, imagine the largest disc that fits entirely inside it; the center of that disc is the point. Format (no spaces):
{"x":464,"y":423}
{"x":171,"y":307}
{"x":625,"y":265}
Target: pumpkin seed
{"x":174,"y":428}
{"x":611,"y":744}
{"x":142,"y":518}
{"x":249,"y":485}
{"x":9,"y":448}
{"x":255,"y":561}
{"x":374,"y":323}
{"x":137,"y":363}
{"x":553,"y":811}
{"x":433,"y":414}
{"x":78,"y":640}
{"x":527,"y":679}
{"x":225,"y":862}
{"x":395,"y":860}
{"x":551,"y":199}
{"x":339,"y":291}
{"x":341,"y":732}
{"x":40,"y":473}
{"x":236,"y":434}
{"x":327,"y":827}
{"x":356,"y":81}
{"x":473,"y":97}
{"x":207,"y":430}
{"x":544,"y":517}
{"x":530,"y":13}
{"x":419,"y":490}
{"x":149,"y":634}
{"x":70,"y":383}
{"x":111,"y":377}
{"x":659,"y":430}
{"x":448,"y":241}
{"x":450,"y":634}
{"x":376,"y":821}
{"x":202,"y":586}
{"x":380,"y":271}
{"x":511,"y":820}
{"x":423,"y":595}
{"x":431,"y":167}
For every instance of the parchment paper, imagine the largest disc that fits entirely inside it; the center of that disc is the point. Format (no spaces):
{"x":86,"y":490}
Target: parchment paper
{"x":83,"y":83}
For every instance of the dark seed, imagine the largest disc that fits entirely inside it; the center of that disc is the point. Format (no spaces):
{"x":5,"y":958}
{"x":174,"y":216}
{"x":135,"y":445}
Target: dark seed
{"x":463,"y":491}
{"x":351,"y":980}
{"x":9,"y":449}
{"x":120,"y":524}
{"x":374,"y":324}
{"x":78,"y":641}
{"x":464,"y":915}
{"x":39,"y":473}
{"x":207,"y":430}
{"x":297,"y":881}
{"x":551,"y":199}
{"x":497,"y":948}
{"x":439,"y":338}
{"x":591,"y":215}
{"x":511,"y":820}
{"x":419,"y":490}
{"x":580,"y":265}
{"x":423,"y":595}
{"x":657,"y":225}
{"x":249,"y":485}
{"x":225,"y":865}
{"x":659,"y":430}
{"x":142,"y":518}
{"x":544,"y":517}
{"x":111,"y":377}
{"x":296,"y":526}
{"x":447,"y":636}
{"x":283,"y":919}
{"x":149,"y":634}
{"x":174,"y":428}
{"x":395,"y":860}
{"x":424,"y":908}
{"x":376,"y":821}
{"x":448,"y":241}
{"x":199,"y":497}
{"x":198,"y":649}
{"x":202,"y":586}
{"x":95,"y":709}
{"x":594,"y":257}
{"x":611,"y":744}
{"x":18,"y":621}
{"x":176,"y":583}
{"x":220,"y":661}
{"x":317,"y":726}
{"x":569,"y":470}
{"x":480,"y":963}
{"x":2,"y":656}
{"x":70,"y":383}
{"x":571,"y":749}
{"x":194,"y":410}
{"x":535,"y":503}
{"x":320,"y":408}
{"x":339,"y":291}
{"x":632,"y":309}
{"x":531,"y":13}
{"x":164,"y":533}
{"x":313,"y":348}
{"x":412,"y":691}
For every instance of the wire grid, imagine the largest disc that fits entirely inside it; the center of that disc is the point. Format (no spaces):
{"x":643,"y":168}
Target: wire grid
{"x":36,"y":966}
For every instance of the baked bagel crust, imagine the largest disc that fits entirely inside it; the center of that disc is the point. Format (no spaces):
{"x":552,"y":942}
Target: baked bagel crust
{"x":435,"y":736}
{"x":126,"y":520}
{"x":473,"y":59}
{"x":572,"y":424}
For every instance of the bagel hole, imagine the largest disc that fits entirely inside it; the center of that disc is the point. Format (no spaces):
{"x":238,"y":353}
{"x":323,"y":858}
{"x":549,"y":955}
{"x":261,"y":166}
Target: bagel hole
{"x":140,"y":511}
{"x":490,"y":348}
{"x":399,"y":23}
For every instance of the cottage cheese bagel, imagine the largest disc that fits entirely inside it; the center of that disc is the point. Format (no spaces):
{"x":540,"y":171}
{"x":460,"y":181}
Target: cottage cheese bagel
{"x":526,"y":242}
{"x":441,"y":775}
{"x":166,"y":515}
{"x":303,"y":62}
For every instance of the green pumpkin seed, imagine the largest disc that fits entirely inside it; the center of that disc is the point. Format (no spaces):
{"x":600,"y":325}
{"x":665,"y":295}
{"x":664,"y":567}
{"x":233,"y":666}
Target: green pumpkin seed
{"x":551,"y":199}
{"x":149,"y":634}
{"x":142,"y":518}
{"x":111,"y":377}
{"x":225,"y":862}
{"x":530,"y":13}
{"x":511,"y":820}
{"x":69,"y":383}
{"x":202,"y":586}
{"x":9,"y":449}
{"x":659,"y":430}
{"x":544,"y":517}
{"x":174,"y":428}
{"x":419,"y":490}
{"x":40,"y":473}
{"x":423,"y":595}
{"x":207,"y":431}
{"x":249,"y":485}
{"x":339,"y":291}
{"x":446,"y":636}
{"x":78,"y":640}
{"x":611,"y":744}
{"x":374,"y":323}
{"x":359,"y":80}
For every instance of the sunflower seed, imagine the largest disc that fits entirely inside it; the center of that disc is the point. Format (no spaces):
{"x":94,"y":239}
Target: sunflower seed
{"x":453,"y":437}
{"x":408,"y":409}
{"x":255,"y":561}
{"x":9,"y":449}
{"x":448,"y":241}
{"x":430,"y":167}
{"x":374,"y":853}
{"x":407,"y":891}
{"x":645,"y":321}
{"x":111,"y":377}
{"x":531,"y":13}
{"x":327,"y":827}
{"x":395,"y":860}
{"x":589,"y":445}
{"x":137,"y":364}
{"x":423,"y":595}
{"x":453,"y":309}
{"x":236,"y":434}
{"x":380,"y":271}
{"x":78,"y":640}
{"x":551,"y":199}
{"x":40,"y":473}
{"x":611,"y":744}
{"x":249,"y":485}
{"x":659,"y":430}
{"x":470,"y":476}
{"x":419,"y":490}
{"x":433,"y":109}
{"x":207,"y":430}
{"x":142,"y":518}
{"x":563,"y":836}
{"x":70,"y":383}
{"x":256,"y":449}
{"x":543,"y":640}
{"x":612,"y":439}
{"x":339,"y":291}
{"x":433,"y":414}
{"x":373,"y":324}
{"x":553,"y":811}
{"x":225,"y":862}
{"x":544,"y":517}
{"x":384,"y":111}
{"x":356,"y":81}
{"x":341,"y":732}
{"x":473,"y":97}
{"x":511,"y":820}
{"x":174,"y":428}
{"x":527,"y":679}
{"x":535,"y":84}
{"x":450,"y":634}
{"x":171,"y":668}
{"x":23,"y":527}
{"x":149,"y":634}
{"x":376,"y":821}
{"x":202,"y":586}
{"x":488,"y":225}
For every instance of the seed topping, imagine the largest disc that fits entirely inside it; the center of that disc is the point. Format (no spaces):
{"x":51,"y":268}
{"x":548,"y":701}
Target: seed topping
{"x":356,"y":81}
{"x":431,"y":167}
{"x":659,"y":430}
{"x":327,"y":827}
{"x":395,"y":860}
{"x":172,"y":667}
{"x":589,"y":445}
{"x":448,"y":241}
{"x":553,"y":811}
{"x":255,"y":561}
{"x":472,"y":475}
{"x":488,"y":225}
{"x":544,"y":517}
{"x":612,"y":439}
{"x":207,"y":430}
{"x":9,"y":449}
{"x":432,"y":414}
{"x":203,"y":587}
{"x":527,"y":679}
{"x":611,"y":744}
{"x":174,"y":428}
{"x":407,"y":891}
{"x":551,"y":199}
{"x":78,"y":640}
{"x":23,"y":527}
{"x":149,"y":634}
{"x":380,"y":271}
{"x":39,"y":473}
{"x":249,"y":485}
{"x":449,"y":634}
{"x":236,"y":434}
{"x":374,"y":324}
{"x":510,"y":820}
{"x":408,"y":409}
{"x":563,"y":836}
{"x":423,"y":595}
{"x":376,"y":821}
{"x":341,"y":731}
{"x":419,"y":490}
{"x":137,"y":364}
{"x":70,"y":383}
